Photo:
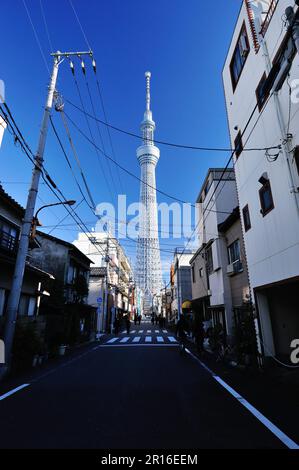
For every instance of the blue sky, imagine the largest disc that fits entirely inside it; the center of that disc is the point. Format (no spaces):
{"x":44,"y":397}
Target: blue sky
{"x":183,"y":44}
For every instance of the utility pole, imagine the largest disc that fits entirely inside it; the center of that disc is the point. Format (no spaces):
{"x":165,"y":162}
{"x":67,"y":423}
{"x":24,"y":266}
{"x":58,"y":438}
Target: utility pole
{"x":107,"y":261}
{"x":17,"y":281}
{"x":293,"y":20}
{"x":179,"y":287}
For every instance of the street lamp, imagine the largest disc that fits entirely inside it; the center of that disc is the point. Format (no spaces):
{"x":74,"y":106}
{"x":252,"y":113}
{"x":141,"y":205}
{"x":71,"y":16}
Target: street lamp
{"x":35,"y":221}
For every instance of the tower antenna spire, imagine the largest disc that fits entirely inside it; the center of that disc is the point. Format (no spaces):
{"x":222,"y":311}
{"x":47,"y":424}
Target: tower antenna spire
{"x":148,"y":90}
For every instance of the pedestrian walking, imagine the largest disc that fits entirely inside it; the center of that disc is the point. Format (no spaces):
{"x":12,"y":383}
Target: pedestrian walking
{"x":128,"y":324}
{"x":153,"y":319}
{"x":199,"y":336}
{"x":116,"y":325}
{"x":139,"y":320}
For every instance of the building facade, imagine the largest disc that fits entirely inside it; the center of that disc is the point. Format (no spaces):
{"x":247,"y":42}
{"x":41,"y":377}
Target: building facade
{"x":211,"y":290}
{"x":180,"y":282}
{"x":11,"y":215}
{"x":260,"y":76}
{"x":115,"y":290}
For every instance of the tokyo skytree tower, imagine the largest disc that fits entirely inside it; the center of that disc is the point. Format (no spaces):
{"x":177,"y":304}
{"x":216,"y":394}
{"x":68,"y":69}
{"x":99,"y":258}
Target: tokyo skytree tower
{"x":148,"y":268}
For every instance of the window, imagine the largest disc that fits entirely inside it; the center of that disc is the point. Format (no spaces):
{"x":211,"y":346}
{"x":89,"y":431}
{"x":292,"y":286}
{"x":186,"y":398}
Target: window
{"x":246,"y":218}
{"x":8,"y":236}
{"x":296,"y":157}
{"x":266,"y":198}
{"x":2,"y":301}
{"x":239,"y":57}
{"x":238,"y":145}
{"x":207,"y":187}
{"x":262,"y":92}
{"x":234,"y":256}
{"x":201,"y":272}
{"x":193,"y":274}
{"x":209,"y":260}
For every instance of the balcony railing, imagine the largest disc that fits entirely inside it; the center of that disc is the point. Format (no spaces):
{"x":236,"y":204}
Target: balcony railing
{"x":8,"y":242}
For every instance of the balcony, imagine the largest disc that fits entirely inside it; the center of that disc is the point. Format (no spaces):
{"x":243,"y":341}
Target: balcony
{"x":8,"y":242}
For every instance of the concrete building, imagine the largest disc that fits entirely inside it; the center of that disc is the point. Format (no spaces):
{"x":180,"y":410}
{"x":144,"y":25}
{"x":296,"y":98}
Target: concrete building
{"x":211,"y":290}
{"x":11,"y":215}
{"x":64,"y":260}
{"x":260,"y":76}
{"x":180,"y":281}
{"x":111,"y":258}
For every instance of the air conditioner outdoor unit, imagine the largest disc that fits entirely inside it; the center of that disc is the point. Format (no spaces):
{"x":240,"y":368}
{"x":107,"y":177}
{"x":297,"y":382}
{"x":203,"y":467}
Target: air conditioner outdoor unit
{"x":230,"y":270}
{"x":209,"y":292}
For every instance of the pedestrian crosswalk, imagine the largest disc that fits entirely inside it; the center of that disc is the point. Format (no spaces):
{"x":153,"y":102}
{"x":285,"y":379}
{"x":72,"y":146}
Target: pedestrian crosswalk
{"x":140,"y":339}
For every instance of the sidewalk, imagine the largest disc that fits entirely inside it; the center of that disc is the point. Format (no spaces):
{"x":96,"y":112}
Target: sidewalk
{"x":273,"y":391}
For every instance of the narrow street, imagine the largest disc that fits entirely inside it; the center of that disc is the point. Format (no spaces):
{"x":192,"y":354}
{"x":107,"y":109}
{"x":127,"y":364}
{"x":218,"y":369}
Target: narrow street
{"x":135,"y":391}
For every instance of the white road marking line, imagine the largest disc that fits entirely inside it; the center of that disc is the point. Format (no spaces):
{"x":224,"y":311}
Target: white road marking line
{"x":287,"y":441}
{"x":132,"y":332}
{"x":149,"y":331}
{"x":265,"y":421}
{"x":172,"y":339}
{"x":112,"y":340}
{"x":140,"y":345}
{"x":160,"y":339}
{"x":15,"y":390}
{"x":165,"y":331}
{"x":140,"y":331}
{"x":157,"y":331}
{"x":136,"y":339}
{"x":125,"y":339}
{"x":148,"y":339}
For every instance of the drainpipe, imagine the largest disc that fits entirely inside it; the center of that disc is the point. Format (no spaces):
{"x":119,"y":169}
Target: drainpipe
{"x":293,"y":21}
{"x":286,"y":147}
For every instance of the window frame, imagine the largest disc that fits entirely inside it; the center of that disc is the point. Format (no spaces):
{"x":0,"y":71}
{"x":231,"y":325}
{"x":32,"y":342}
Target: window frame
{"x":262,"y":191}
{"x":245,"y":210}
{"x":235,"y":262}
{"x":261,"y":103}
{"x":193,"y":273}
{"x":233,"y":80}
{"x":238,"y":142}
{"x":209,"y":260}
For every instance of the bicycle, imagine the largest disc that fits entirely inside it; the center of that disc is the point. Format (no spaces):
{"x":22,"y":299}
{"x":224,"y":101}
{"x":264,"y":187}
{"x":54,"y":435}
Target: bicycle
{"x":182,"y":342}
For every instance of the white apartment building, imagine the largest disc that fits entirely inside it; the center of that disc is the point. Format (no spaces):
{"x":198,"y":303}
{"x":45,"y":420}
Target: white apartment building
{"x":260,"y":77}
{"x":106,"y":253}
{"x":216,"y":201}
{"x":180,"y":281}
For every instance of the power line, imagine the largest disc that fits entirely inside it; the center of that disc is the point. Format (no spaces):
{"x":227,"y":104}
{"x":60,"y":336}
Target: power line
{"x":226,"y":167}
{"x":170,"y":144}
{"x":99,"y":91}
{"x":89,"y":127}
{"x":128,"y":171}
{"x":102,"y":142}
{"x":69,"y":163}
{"x":36,"y":37}
{"x":80,"y":25}
{"x":46,"y":25}
{"x":50,"y":182}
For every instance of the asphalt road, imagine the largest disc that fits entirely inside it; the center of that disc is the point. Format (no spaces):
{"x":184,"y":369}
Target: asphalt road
{"x":130,"y":394}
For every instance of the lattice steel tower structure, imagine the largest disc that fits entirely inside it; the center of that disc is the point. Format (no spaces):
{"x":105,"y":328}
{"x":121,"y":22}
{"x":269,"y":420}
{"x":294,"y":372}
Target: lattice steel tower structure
{"x":148,"y":268}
